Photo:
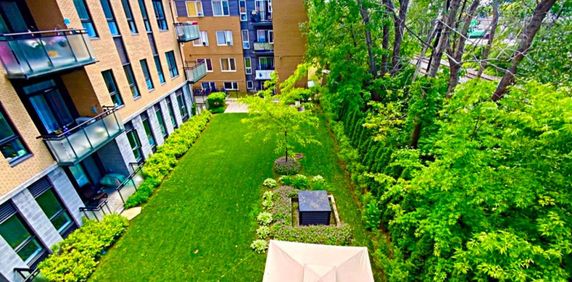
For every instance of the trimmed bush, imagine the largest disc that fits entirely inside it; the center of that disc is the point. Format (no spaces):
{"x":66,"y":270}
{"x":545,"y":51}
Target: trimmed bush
{"x":290,"y":167}
{"x":315,"y":234}
{"x":216,"y":100}
{"x":160,"y":164}
{"x":75,"y":258}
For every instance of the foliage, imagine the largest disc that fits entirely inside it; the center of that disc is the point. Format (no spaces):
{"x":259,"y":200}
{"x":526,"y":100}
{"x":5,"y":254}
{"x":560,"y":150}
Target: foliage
{"x":300,"y":181}
{"x":162,"y":162}
{"x":318,"y":183}
{"x":264,"y":218}
{"x":371,"y":213}
{"x":75,"y":258}
{"x":259,"y":246}
{"x":215,"y":100}
{"x":269,"y":183}
{"x":267,"y":202}
{"x":287,"y":166}
{"x":263,"y":232}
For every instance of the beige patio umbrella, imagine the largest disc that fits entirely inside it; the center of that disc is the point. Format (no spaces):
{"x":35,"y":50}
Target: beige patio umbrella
{"x":293,"y":262}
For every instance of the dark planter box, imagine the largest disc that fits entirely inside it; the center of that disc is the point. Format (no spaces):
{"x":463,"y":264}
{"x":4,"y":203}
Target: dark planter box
{"x":314,"y":208}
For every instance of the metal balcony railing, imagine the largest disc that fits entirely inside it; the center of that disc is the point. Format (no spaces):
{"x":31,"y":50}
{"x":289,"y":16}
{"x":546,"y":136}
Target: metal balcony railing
{"x":74,"y":144}
{"x":31,"y":54}
{"x":187,"y":31}
{"x":195,"y":71}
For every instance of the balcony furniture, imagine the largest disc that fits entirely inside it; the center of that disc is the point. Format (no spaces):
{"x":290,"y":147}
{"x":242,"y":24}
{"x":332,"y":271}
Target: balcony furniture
{"x":31,"y":54}
{"x":111,"y":181}
{"x":92,"y":196}
{"x":314,"y":207}
{"x":187,"y":31}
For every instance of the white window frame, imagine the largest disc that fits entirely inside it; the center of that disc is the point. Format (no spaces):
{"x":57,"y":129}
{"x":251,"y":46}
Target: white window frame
{"x":249,"y":84}
{"x":248,"y":70}
{"x":203,"y":40}
{"x":207,"y":65}
{"x":227,"y":36}
{"x":262,"y":32}
{"x":233,"y":84}
{"x":221,"y":7}
{"x":245,"y":39}
{"x":229,"y":65}
{"x":200,"y":12}
{"x":241,"y":14}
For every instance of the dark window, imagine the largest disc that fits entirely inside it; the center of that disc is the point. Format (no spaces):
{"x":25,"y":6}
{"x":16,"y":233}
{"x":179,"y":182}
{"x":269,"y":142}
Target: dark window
{"x":146,"y":74}
{"x":134,"y":142}
{"x":161,"y":120}
{"x":112,"y":88}
{"x":11,"y":144}
{"x":172,"y":63}
{"x":109,"y":17}
{"x":145,"y":16}
{"x":160,"y":14}
{"x":149,"y":131}
{"x":131,"y":80}
{"x":182,"y":105}
{"x":19,"y":236}
{"x":121,"y":50}
{"x":54,"y":209}
{"x":129,"y":16}
{"x":85,"y":17}
{"x":159,"y":68}
{"x":171,"y":112}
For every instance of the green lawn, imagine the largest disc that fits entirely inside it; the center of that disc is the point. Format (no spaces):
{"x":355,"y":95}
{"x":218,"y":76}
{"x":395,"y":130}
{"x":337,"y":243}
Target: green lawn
{"x":199,"y":224}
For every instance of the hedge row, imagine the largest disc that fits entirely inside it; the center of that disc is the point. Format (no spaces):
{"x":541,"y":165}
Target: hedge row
{"x":162,"y":162}
{"x":75,"y":258}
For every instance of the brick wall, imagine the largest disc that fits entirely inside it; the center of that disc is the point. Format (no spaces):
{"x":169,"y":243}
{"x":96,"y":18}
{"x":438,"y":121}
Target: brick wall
{"x":289,"y":42}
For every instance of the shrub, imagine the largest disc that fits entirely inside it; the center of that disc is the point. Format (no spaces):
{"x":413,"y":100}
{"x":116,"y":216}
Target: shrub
{"x":371,"y":213}
{"x":269,"y":183}
{"x":316,"y":234}
{"x":290,"y":167}
{"x":318,"y":183}
{"x":218,"y":110}
{"x":264,"y":218}
{"x":216,"y":100}
{"x":75,"y":258}
{"x":259,"y":246}
{"x":300,"y":181}
{"x":285,"y":180}
{"x":267,"y":203}
{"x":263,"y":232}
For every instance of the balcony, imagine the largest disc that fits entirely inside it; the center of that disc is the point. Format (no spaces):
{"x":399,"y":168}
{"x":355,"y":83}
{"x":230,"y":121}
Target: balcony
{"x":263,"y":74}
{"x":263,"y":47}
{"x":196,"y":72}
{"x":31,"y":54}
{"x":73,"y":145}
{"x":187,"y":31}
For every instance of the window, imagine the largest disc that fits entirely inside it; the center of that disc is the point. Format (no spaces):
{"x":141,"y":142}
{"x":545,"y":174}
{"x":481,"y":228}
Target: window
{"x":109,"y":17}
{"x":149,"y":131}
{"x":171,"y":112}
{"x":245,"y":39}
{"x":131,"y":80}
{"x":220,"y":8}
{"x":249,"y":85}
{"x":144,"y":15}
{"x":208,"y":85}
{"x":19,"y":236}
{"x":121,"y":50}
{"x":227,"y":65}
{"x":224,"y":38}
{"x":264,"y":9}
{"x":242,"y":10}
{"x":248,"y":65}
{"x":159,"y":68}
{"x":271,"y":36}
{"x":112,"y":88}
{"x":146,"y":74}
{"x":194,"y":9}
{"x":265,"y":63}
{"x":203,"y":40}
{"x":129,"y":16}
{"x":54,"y":209}
{"x":11,"y":144}
{"x":160,"y":14}
{"x":161,"y":120}
{"x":172,"y":63}
{"x":134,"y":142}
{"x":85,"y":17}
{"x":208,"y":63}
{"x":230,"y":85}
{"x":182,"y":104}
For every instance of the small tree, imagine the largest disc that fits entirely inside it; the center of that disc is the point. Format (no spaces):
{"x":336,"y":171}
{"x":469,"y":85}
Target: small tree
{"x":276,"y":117}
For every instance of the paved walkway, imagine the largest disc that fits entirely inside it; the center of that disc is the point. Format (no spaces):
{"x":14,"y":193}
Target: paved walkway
{"x":233,"y":106}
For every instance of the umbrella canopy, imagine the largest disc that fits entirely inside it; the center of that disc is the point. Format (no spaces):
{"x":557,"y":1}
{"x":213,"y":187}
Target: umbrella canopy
{"x":292,"y":261}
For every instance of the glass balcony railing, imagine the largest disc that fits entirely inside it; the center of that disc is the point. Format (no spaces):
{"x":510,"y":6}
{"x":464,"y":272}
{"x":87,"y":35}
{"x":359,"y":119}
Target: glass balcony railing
{"x":196,"y":72}
{"x":263,"y":46}
{"x":263,"y":74}
{"x":30,"y":54}
{"x":74,"y":144}
{"x":187,"y":31}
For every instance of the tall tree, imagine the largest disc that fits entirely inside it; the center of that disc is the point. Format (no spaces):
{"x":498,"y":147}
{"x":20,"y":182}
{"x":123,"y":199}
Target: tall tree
{"x":448,"y":19}
{"x":525,"y":42}
{"x":492,"y":31}
{"x":399,"y":28}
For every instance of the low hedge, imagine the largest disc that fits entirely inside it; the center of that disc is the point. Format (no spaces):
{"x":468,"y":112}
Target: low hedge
{"x":75,"y":258}
{"x":162,"y":162}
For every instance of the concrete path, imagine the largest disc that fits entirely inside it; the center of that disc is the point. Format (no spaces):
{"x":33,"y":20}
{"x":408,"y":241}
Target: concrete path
{"x":233,"y":106}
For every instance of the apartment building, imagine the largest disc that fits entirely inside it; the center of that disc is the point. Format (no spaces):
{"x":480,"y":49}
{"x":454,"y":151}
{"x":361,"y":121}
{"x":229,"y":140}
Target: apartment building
{"x":238,"y":41}
{"x":88,"y":90}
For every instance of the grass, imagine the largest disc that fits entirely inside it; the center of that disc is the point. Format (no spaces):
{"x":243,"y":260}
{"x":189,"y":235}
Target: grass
{"x":200,"y":223}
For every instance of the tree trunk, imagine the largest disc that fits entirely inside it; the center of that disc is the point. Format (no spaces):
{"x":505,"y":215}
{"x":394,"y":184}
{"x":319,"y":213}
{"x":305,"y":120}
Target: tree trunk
{"x":525,"y":41}
{"x":399,"y":26}
{"x":489,"y":46}
{"x":426,"y":45}
{"x":385,"y":39}
{"x":365,"y":19}
{"x":286,"y":144}
{"x":455,"y":63}
{"x":449,"y":19}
